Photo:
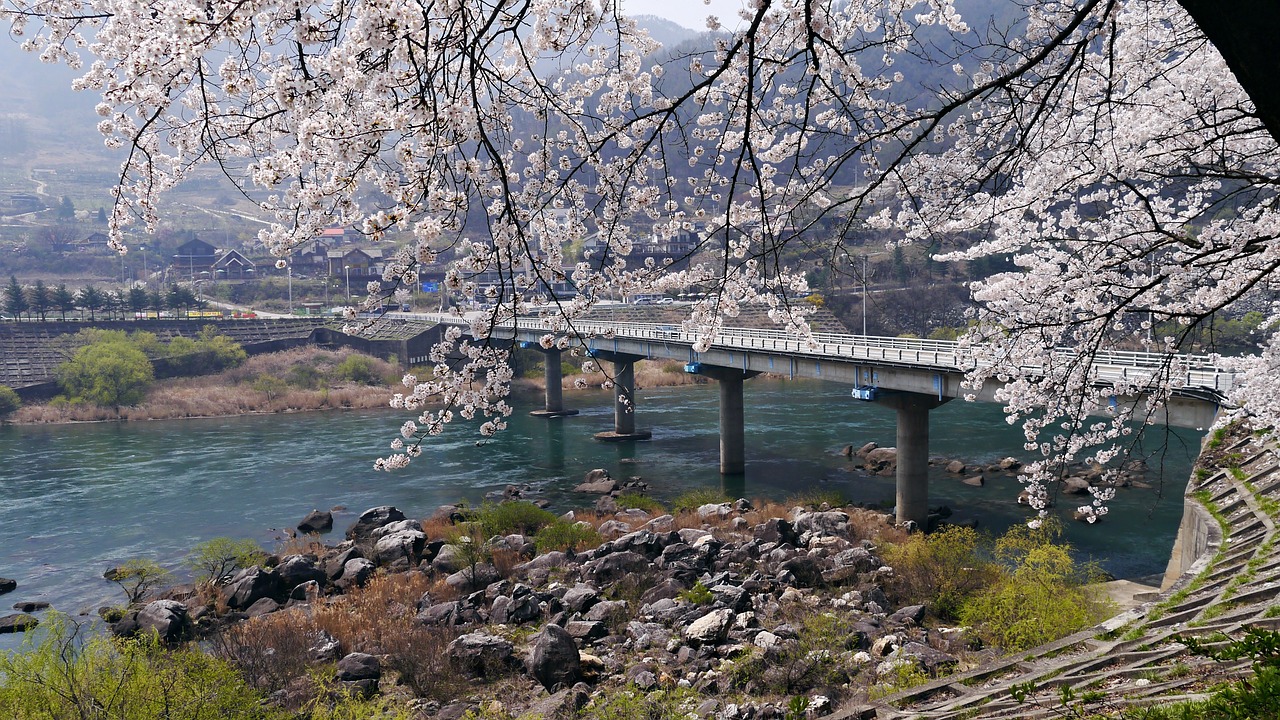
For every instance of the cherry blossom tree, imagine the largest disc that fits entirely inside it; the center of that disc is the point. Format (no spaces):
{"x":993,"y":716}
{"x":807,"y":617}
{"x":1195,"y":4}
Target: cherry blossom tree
{"x":1122,"y":153}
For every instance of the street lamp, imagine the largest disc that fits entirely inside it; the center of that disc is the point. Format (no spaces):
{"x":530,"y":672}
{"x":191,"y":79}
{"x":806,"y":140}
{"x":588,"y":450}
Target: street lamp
{"x":347,"y":269}
{"x":864,"y":295}
{"x":289,"y":269}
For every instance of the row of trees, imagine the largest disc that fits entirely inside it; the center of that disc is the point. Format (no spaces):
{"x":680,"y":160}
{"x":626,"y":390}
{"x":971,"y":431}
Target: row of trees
{"x":39,"y":300}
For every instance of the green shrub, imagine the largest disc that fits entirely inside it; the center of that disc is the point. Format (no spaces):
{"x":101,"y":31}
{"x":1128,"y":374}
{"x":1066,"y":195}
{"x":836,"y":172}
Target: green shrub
{"x":65,"y":676}
{"x":109,"y":374}
{"x":519,"y":516}
{"x":1045,"y":598}
{"x":214,"y":559}
{"x":941,"y":570}
{"x":358,"y":369}
{"x":699,"y":594}
{"x":305,"y":377}
{"x":630,"y":703}
{"x":9,"y":400}
{"x":629,"y":500}
{"x":271,"y":386}
{"x":565,"y":536}
{"x":138,"y":577}
{"x":694,"y":499}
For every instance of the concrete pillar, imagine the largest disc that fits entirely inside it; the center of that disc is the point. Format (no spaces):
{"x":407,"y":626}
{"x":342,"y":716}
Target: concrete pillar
{"x":913,"y":453}
{"x":554,"y":404}
{"x":733,"y":460}
{"x":624,"y":398}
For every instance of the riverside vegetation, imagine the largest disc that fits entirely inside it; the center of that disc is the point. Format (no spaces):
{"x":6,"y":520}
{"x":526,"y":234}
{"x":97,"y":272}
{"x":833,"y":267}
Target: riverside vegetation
{"x":716,"y":609}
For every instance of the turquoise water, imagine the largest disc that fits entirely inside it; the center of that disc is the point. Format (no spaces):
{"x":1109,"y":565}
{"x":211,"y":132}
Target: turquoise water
{"x":77,"y":499}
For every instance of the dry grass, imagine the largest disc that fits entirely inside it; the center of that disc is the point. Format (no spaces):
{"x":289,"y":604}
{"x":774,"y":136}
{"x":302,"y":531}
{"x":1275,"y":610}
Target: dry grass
{"x":273,"y":651}
{"x":233,"y":393}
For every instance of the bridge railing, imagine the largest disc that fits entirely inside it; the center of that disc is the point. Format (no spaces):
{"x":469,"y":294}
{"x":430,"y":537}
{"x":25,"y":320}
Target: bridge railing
{"x":1192,"y":371}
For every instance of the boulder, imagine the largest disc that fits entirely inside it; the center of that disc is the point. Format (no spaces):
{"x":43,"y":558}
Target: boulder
{"x":324,"y":648}
{"x":865,"y":449}
{"x":167,"y":618}
{"x":479,"y":654}
{"x":882,"y":456}
{"x":614,"y":567}
{"x":20,"y":622}
{"x":955,"y":466}
{"x":832,"y":522}
{"x":316,"y":521}
{"x":264,"y":606}
{"x":359,"y":666}
{"x":371,"y":520}
{"x":474,"y":577}
{"x":597,"y":482}
{"x":7,"y":585}
{"x":515,"y":610}
{"x":585,"y":631}
{"x":711,"y":628}
{"x":803,"y":571}
{"x":563,"y":705}
{"x":251,"y":585}
{"x":1075,"y":486}
{"x":400,"y":545}
{"x":974,"y":481}
{"x":30,"y":606}
{"x":355,"y":573}
{"x":294,"y":570}
{"x":553,"y":658}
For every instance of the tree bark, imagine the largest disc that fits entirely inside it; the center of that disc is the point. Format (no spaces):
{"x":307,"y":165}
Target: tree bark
{"x":1246,"y":32}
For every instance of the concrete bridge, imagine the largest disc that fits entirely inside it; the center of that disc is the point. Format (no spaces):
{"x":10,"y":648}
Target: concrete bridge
{"x":910,"y":376}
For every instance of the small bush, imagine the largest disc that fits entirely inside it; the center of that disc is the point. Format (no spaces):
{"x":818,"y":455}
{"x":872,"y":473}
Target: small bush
{"x":565,"y":536}
{"x":507,"y":518}
{"x":214,"y":559}
{"x":942,"y":570}
{"x":629,"y":500}
{"x":358,"y":369}
{"x":138,"y":577}
{"x":699,"y":594}
{"x":694,"y":499}
{"x":64,"y":675}
{"x":9,"y":400}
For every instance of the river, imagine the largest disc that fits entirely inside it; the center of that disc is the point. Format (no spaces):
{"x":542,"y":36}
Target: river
{"x":78,"y":499}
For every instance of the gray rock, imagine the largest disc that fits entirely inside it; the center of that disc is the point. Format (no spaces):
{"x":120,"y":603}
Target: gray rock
{"x":563,"y":705}
{"x":403,"y":544}
{"x":356,"y":573}
{"x":479,"y":654}
{"x":316,"y":521}
{"x":359,"y":666}
{"x":711,"y":628}
{"x":30,"y":606}
{"x":831,"y":522}
{"x":264,"y":606}
{"x":167,"y":618}
{"x":580,"y":598}
{"x":20,"y":622}
{"x":928,"y":658}
{"x":586,"y":631}
{"x":474,"y":577}
{"x":324,"y":648}
{"x":974,"y":480}
{"x":294,"y":570}
{"x":614,"y":567}
{"x":371,"y":520}
{"x":1075,"y":486}
{"x":7,"y":585}
{"x":608,"y":611}
{"x":955,"y":466}
{"x":553,"y":658}
{"x":251,"y":585}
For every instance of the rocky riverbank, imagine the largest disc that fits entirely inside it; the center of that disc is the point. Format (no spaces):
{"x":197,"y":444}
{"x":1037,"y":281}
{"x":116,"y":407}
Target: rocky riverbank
{"x":729,"y":610}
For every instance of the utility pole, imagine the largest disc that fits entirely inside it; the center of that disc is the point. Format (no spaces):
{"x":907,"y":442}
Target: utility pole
{"x":864,"y":294}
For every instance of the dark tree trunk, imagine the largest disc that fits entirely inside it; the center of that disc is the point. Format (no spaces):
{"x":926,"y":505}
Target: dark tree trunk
{"x":1246,"y":33}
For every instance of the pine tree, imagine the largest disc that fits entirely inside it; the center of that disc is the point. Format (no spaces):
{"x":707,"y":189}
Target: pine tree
{"x":15,"y":300}
{"x":41,"y":299}
{"x":64,"y":300}
{"x":91,"y":299}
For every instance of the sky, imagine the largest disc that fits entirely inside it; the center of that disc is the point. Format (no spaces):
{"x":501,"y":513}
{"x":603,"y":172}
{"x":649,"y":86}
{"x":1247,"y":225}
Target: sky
{"x":689,"y":13}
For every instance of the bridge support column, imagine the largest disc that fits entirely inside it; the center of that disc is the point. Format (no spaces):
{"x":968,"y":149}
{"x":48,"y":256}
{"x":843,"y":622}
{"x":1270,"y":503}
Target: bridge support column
{"x":733,"y":459}
{"x":913,"y":452}
{"x":624,"y":398}
{"x":554,"y":405}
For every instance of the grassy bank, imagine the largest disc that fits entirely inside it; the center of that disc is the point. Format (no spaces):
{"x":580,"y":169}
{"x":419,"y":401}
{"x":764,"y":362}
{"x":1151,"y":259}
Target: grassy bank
{"x":290,"y":381}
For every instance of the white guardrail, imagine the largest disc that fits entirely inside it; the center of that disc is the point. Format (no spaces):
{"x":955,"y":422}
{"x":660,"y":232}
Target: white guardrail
{"x":1196,"y":372}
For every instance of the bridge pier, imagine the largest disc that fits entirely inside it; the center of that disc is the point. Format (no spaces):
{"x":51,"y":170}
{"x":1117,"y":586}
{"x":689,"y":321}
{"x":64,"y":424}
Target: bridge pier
{"x":553,"y":406}
{"x":624,"y":398}
{"x":733,"y":459}
{"x":913,"y":452}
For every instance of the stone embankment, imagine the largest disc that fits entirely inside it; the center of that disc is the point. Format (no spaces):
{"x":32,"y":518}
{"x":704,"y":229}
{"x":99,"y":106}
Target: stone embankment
{"x":1224,"y":576}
